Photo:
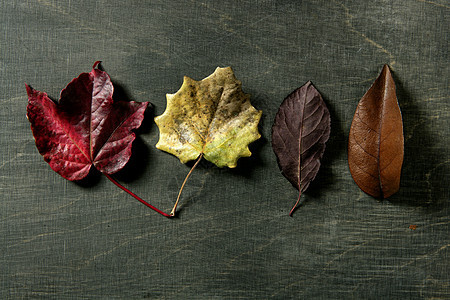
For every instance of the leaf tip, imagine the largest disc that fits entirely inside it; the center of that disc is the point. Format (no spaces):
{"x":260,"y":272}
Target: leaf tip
{"x":186,"y":81}
{"x":32,"y":93}
{"x":386,"y":71}
{"x":29,"y":89}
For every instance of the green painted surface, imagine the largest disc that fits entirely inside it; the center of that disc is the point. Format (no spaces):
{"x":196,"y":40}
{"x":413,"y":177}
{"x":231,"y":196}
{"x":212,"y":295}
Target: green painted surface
{"x":233,"y":238}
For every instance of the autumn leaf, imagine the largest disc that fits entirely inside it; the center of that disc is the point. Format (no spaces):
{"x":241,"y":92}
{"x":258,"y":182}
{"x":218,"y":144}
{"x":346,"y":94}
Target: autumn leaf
{"x":211,"y":118}
{"x":375,"y":146}
{"x":85,"y":128}
{"x":299,"y":133}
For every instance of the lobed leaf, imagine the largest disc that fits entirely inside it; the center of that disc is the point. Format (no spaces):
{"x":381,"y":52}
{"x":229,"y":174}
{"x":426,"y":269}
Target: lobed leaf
{"x":211,"y":117}
{"x":85,"y":127}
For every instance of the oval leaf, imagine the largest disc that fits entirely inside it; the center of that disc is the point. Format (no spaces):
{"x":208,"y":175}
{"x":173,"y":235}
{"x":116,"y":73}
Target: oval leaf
{"x":375,"y":145}
{"x":85,"y":127}
{"x":299,"y":133}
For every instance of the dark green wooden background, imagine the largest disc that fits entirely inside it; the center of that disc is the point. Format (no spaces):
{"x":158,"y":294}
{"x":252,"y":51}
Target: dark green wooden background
{"x":233,"y":238}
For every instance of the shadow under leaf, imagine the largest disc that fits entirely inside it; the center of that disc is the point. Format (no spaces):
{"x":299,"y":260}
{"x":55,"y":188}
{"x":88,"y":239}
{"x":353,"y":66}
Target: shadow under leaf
{"x":423,"y":170}
{"x":336,"y":144}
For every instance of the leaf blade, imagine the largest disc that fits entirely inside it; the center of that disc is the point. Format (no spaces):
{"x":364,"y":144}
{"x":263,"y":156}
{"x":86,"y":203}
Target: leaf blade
{"x":212,"y":117}
{"x":375,"y":147}
{"x":299,"y":133}
{"x":85,"y":127}
{"x":53,"y":141}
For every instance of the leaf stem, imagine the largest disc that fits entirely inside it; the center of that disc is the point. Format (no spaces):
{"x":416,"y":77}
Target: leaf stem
{"x":136,"y":196}
{"x":172,"y":213}
{"x":296,"y":203}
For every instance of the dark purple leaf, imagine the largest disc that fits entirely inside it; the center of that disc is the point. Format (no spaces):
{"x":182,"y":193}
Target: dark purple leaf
{"x":299,"y":133}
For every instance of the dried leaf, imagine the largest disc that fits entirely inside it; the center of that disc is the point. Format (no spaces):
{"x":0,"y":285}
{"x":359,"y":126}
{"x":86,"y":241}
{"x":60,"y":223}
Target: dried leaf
{"x":211,"y":118}
{"x":375,"y":146}
{"x":299,"y":133}
{"x":85,"y":128}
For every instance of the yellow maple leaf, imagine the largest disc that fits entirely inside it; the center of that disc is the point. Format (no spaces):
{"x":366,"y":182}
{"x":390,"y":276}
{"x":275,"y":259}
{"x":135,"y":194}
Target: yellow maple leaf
{"x":211,"y":118}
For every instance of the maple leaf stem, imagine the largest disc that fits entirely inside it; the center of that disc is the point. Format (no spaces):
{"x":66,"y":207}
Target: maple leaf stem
{"x":136,"y":196}
{"x":172,"y":213}
{"x":296,"y":203}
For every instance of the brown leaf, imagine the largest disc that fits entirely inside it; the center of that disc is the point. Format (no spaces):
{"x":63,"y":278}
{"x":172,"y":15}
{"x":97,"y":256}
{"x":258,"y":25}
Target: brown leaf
{"x":375,"y":146}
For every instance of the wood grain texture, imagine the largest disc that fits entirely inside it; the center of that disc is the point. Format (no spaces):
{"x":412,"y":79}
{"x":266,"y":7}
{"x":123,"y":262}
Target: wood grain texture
{"x":233,"y":238}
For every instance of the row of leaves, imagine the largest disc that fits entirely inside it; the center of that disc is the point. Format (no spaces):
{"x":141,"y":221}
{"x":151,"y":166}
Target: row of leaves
{"x":213,"y":119}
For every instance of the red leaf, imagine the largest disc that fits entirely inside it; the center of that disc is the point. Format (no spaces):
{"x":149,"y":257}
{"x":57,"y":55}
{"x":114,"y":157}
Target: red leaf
{"x":299,"y":133}
{"x":85,"y":127}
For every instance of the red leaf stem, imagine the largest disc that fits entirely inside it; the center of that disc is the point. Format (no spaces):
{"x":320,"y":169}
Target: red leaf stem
{"x":136,"y":196}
